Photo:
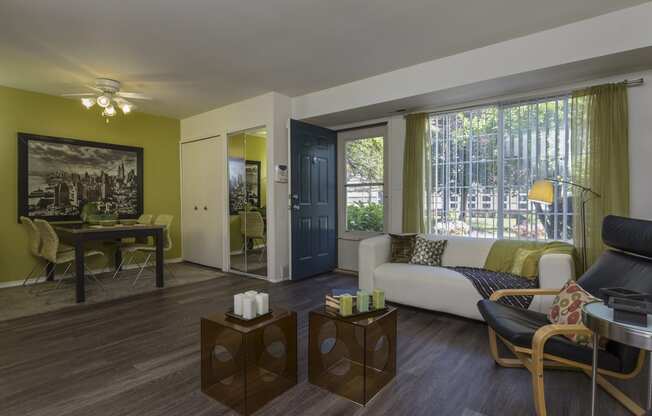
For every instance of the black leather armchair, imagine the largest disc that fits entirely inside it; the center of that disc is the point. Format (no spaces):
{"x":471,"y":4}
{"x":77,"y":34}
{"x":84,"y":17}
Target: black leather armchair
{"x":537,"y":344}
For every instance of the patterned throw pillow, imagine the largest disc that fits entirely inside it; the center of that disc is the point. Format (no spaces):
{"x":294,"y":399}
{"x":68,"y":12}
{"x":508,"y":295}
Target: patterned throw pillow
{"x":567,"y":310}
{"x":428,"y":252}
{"x":526,"y":263}
{"x":402,"y":246}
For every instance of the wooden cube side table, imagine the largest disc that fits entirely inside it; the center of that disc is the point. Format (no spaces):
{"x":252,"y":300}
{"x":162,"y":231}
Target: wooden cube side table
{"x":352,"y":357}
{"x":245,"y":365}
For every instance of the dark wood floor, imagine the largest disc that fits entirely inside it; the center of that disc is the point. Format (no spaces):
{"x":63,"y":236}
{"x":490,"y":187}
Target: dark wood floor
{"x":140,"y":356}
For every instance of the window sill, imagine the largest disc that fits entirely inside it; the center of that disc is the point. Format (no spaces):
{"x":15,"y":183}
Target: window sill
{"x":358,"y":236}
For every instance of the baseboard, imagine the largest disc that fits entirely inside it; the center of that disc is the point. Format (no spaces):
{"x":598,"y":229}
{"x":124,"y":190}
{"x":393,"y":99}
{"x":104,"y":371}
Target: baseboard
{"x":346,"y":271}
{"x":15,"y":283}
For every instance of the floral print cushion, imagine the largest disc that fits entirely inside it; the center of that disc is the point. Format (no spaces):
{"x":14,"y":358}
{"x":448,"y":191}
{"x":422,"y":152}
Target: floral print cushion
{"x":567,"y":310}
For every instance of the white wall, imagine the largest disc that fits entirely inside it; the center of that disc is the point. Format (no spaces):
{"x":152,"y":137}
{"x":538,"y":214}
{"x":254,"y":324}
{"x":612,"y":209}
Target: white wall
{"x":612,"y":33}
{"x":272,"y":111}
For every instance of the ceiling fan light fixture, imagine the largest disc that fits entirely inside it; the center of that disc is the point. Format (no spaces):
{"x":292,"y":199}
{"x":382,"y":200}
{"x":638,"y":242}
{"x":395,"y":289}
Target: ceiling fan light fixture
{"x":88,"y":102}
{"x":109,"y":111}
{"x":126,"y":108}
{"x":104,"y":101}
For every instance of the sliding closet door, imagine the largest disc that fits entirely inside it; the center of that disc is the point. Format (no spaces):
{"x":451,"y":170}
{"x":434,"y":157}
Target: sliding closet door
{"x":202,"y":206}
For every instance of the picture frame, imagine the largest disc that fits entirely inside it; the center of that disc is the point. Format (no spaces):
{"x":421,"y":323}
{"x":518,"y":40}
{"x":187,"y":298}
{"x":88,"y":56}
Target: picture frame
{"x":58,"y":176}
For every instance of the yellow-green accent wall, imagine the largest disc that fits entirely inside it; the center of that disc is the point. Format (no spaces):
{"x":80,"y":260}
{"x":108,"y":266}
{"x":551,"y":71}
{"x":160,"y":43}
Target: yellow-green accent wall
{"x":28,"y":112}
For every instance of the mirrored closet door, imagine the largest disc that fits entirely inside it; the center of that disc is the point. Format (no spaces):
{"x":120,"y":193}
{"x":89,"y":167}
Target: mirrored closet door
{"x":247,"y":167}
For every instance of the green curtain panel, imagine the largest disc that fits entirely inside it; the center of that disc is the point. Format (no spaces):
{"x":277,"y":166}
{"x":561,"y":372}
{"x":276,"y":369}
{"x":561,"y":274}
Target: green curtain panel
{"x":600,"y":159}
{"x":414,"y":172}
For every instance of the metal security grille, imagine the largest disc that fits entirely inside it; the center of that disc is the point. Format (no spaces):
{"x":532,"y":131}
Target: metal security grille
{"x":464,"y":192}
{"x":484,"y":161}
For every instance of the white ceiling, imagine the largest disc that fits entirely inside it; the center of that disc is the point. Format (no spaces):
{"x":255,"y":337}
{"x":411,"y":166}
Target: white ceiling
{"x":195,"y":55}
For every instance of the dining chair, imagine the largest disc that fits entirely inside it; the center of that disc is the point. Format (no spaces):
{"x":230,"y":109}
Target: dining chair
{"x":252,"y":227}
{"x":125,"y":243}
{"x":34,"y":244}
{"x":50,"y":250}
{"x":166,"y":221}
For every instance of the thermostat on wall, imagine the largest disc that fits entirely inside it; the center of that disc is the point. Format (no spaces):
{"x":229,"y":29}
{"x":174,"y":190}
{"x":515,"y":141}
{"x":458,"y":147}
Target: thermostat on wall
{"x":281,"y":174}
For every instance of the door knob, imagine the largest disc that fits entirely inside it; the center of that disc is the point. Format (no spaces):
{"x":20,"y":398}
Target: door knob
{"x":205,"y":208}
{"x":195,"y":207}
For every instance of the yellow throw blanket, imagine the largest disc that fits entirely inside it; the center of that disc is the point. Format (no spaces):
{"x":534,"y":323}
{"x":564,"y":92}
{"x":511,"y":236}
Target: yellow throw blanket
{"x":501,"y":255}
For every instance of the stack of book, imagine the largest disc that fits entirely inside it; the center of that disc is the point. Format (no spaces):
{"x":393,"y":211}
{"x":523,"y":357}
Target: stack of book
{"x":332,"y":300}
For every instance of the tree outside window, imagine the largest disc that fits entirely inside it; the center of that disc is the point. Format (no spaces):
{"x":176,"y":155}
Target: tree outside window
{"x":364,"y":184}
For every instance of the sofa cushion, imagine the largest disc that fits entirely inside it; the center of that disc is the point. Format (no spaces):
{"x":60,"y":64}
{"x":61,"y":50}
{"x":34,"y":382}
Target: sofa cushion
{"x":401,"y":247}
{"x":518,"y":326}
{"x":434,"y":288}
{"x":465,"y":251}
{"x":428,"y":252}
{"x":526,"y":263}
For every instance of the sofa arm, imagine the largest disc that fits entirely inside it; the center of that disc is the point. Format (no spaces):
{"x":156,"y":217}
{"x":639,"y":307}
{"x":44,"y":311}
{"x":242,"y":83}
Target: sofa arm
{"x":554,"y":271}
{"x":372,"y":252}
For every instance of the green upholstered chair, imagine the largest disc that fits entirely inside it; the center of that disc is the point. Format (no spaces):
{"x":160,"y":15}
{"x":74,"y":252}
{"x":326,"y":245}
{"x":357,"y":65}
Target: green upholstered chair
{"x":51,"y":250}
{"x":150,"y":249}
{"x":144,"y":219}
{"x":252,"y":227}
{"x":34,"y":244}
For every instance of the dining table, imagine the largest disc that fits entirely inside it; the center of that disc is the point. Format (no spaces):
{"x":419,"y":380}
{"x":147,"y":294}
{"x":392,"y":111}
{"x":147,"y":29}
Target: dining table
{"x":78,"y":235}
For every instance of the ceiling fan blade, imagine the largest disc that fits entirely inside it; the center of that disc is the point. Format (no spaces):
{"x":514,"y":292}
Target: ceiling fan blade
{"x":133,"y":95}
{"x":94,"y":88}
{"x":79,"y":94}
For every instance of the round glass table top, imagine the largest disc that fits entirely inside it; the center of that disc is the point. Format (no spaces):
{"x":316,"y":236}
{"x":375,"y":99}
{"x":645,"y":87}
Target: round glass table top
{"x":599,"y":318}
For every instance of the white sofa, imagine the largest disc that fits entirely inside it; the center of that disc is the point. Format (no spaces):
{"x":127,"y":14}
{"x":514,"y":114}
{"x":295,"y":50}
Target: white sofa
{"x":442,"y":289}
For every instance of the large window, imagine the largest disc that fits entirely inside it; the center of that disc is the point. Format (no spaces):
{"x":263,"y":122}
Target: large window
{"x":364,"y":184}
{"x":484,"y":161}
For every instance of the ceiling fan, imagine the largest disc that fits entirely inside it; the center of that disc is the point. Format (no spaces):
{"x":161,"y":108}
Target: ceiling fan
{"x":108,"y":96}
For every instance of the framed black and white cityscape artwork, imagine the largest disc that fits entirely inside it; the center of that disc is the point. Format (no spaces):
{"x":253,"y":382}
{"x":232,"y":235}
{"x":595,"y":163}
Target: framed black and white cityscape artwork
{"x":57,"y":177}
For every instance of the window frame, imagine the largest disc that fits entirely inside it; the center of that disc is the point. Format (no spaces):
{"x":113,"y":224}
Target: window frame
{"x":343,"y":138}
{"x":501,"y":187}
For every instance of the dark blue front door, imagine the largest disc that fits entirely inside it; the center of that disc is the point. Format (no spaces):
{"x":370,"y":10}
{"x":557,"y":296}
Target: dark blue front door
{"x":313,"y":199}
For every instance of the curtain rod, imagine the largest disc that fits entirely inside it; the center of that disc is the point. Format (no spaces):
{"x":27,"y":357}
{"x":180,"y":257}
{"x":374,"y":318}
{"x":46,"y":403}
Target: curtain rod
{"x":489,"y":101}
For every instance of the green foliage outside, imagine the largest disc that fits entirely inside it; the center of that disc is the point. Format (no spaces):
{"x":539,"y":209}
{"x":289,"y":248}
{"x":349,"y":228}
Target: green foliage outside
{"x":364,"y":217}
{"x":364,"y":166}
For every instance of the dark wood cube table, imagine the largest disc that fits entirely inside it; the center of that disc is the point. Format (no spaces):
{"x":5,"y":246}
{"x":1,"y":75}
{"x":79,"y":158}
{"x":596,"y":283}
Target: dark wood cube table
{"x":353,"y":357}
{"x":245,"y":365}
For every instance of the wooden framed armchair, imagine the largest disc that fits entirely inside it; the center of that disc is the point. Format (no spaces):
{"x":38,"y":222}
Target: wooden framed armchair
{"x":537,"y":344}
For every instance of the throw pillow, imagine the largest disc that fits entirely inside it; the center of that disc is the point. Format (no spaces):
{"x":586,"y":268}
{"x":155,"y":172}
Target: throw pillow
{"x":567,"y":310}
{"x":428,"y":252}
{"x":526,"y":263}
{"x":402,"y":246}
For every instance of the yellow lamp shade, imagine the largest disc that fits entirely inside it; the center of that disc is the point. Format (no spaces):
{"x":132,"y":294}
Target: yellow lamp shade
{"x":542,"y":191}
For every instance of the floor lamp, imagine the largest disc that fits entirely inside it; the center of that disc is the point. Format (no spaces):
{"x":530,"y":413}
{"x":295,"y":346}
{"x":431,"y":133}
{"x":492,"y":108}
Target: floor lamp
{"x":542,"y":191}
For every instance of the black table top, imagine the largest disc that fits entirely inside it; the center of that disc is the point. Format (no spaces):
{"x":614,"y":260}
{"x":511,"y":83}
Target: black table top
{"x":79,"y":228}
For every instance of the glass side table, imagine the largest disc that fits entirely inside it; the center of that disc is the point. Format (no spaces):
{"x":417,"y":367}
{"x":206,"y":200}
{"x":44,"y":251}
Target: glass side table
{"x":245,"y":365}
{"x":599,"y":318}
{"x":354,"y":357}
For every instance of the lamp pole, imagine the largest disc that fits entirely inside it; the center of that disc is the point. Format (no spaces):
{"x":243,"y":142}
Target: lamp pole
{"x":585,"y":191}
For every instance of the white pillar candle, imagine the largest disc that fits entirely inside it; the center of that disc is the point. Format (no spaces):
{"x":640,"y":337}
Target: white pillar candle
{"x":249,"y":307}
{"x":262,"y":303}
{"x":237,"y":304}
{"x":251,"y":293}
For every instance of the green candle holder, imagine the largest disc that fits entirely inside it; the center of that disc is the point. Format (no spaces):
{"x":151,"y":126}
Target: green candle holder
{"x":379,"y":299}
{"x":346,"y":305}
{"x":362,"y":301}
